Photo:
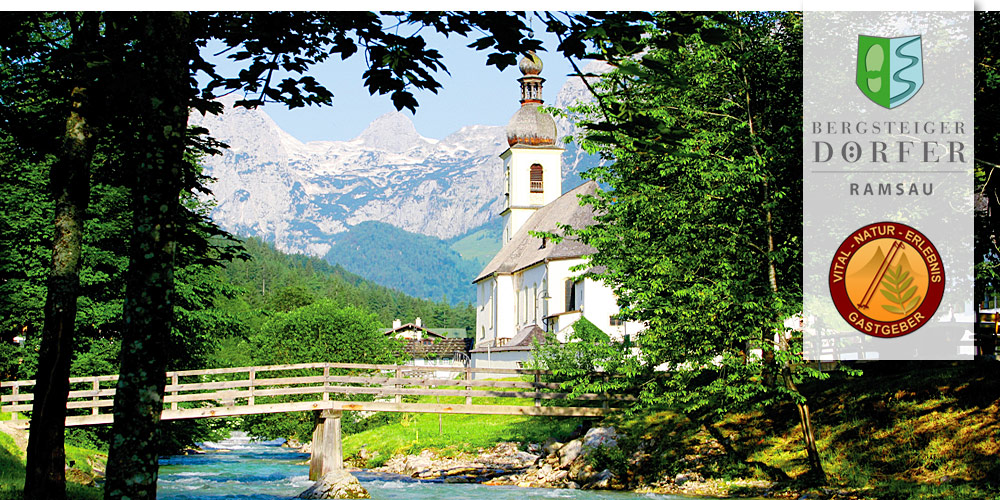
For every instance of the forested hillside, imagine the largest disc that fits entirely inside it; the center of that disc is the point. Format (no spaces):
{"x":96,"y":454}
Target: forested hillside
{"x":422,"y":266}
{"x":274,"y":280}
{"x":225,"y":290}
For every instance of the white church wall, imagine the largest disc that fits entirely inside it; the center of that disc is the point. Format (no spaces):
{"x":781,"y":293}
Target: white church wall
{"x":485,"y":312}
{"x":521,"y":159}
{"x":530,"y":287}
{"x":506,"y":312}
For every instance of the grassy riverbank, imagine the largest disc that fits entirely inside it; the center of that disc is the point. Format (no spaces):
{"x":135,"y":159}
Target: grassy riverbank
{"x":81,"y":460}
{"x":452,"y":434}
{"x":899,"y":431}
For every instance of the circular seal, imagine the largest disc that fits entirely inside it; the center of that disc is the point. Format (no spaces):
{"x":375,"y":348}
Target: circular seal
{"x":887,"y":279}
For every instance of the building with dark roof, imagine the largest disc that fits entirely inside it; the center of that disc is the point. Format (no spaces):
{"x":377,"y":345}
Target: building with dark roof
{"x":437,"y":347}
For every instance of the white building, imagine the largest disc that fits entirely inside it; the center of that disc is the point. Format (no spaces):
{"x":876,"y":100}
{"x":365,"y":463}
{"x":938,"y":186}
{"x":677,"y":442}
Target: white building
{"x":528,"y":287}
{"x":427,"y":347}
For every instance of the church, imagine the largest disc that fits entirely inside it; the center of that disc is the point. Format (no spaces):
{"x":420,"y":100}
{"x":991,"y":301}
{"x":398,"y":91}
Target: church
{"x":529,"y":288}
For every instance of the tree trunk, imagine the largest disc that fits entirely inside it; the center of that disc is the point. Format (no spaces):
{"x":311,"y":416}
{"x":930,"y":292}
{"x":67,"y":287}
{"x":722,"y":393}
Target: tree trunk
{"x":160,"y":109}
{"x":45,"y":477}
{"x":816,"y":472}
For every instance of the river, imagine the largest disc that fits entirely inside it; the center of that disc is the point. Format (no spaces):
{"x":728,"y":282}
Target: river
{"x":240,"y":469}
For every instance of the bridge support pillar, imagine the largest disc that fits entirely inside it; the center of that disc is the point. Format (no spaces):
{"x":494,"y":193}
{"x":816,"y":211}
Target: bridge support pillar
{"x":327,"y":452}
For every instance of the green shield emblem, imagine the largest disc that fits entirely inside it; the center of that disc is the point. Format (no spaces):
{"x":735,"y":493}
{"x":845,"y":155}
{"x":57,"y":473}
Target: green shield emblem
{"x":890,"y":70}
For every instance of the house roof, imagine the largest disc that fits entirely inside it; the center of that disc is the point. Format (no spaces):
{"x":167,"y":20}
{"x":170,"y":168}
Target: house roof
{"x":523,"y":341}
{"x":413,"y":326}
{"x":524,"y":250}
{"x":451,"y":333}
{"x":440,"y":348}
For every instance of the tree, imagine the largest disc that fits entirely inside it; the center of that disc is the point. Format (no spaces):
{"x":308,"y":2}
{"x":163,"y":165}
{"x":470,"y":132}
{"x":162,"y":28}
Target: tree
{"x":55,"y":72}
{"x":987,"y":168}
{"x":129,"y":76}
{"x":699,"y":231}
{"x":320,"y":332}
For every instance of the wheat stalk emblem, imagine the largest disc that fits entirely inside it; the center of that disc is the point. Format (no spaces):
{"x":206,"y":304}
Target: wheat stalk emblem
{"x":898,"y":287}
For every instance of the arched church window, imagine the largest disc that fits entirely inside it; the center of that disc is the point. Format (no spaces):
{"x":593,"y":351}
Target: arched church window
{"x":536,"y":178}
{"x":570,"y":295}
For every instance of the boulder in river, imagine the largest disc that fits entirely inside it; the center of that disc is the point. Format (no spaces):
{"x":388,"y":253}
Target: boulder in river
{"x":570,"y":452}
{"x":601,"y":436}
{"x":336,"y":484}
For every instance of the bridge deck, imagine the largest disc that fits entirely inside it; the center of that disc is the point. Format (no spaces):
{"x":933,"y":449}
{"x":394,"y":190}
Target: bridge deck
{"x":254,"y":390}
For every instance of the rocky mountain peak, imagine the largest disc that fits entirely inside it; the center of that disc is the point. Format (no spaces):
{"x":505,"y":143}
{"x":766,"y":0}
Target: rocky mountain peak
{"x":392,"y":132}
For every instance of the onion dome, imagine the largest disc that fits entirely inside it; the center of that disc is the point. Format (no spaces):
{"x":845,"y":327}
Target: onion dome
{"x":530,"y":65}
{"x":529,"y":126}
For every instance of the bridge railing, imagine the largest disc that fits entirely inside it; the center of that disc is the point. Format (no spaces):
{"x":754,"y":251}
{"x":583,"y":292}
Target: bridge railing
{"x":323,"y":386}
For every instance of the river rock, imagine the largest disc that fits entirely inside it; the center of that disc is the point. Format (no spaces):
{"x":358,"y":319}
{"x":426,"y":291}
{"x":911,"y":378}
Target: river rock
{"x":551,"y":446}
{"x":581,"y":471}
{"x":336,"y":484}
{"x":556,"y":476}
{"x":601,"y":436}
{"x":545,"y":471}
{"x":601,"y":481}
{"x":682,"y":478}
{"x":523,"y":458}
{"x":570,"y":452}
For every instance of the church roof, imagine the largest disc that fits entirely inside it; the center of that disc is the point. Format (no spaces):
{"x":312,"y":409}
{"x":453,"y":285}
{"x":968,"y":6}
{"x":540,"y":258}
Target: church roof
{"x":523,"y":341}
{"x":525,"y":250}
{"x":529,"y":126}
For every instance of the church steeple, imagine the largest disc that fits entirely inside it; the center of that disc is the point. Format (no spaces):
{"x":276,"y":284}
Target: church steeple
{"x":532,"y":166}
{"x":529,"y":126}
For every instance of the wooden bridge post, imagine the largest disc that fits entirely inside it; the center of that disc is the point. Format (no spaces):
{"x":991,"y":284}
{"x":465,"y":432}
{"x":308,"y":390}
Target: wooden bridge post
{"x":399,"y":374}
{"x":327,"y":450}
{"x":175,"y":381}
{"x":326,"y":381}
{"x":538,"y":381}
{"x":253,"y":382}
{"x":97,"y":388}
{"x":468,"y":376}
{"x":14,"y":415}
{"x":316,"y":452}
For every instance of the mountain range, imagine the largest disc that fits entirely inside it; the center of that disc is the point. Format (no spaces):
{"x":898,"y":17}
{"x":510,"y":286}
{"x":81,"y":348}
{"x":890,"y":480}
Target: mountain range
{"x":305,"y":197}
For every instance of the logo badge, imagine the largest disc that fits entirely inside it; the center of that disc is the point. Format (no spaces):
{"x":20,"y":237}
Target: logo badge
{"x":890,"y":70}
{"x":887,"y":279}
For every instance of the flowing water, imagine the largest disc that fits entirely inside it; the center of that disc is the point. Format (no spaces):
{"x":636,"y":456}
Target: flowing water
{"x":240,"y":469}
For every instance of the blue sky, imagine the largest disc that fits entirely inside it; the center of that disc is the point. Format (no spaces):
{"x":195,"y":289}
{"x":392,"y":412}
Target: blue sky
{"x":473,"y":94}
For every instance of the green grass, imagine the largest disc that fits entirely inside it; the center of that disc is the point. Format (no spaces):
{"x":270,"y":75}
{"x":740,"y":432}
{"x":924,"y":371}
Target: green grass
{"x":458,"y":433}
{"x":479,"y":246}
{"x":12,"y":472}
{"x":900,"y":431}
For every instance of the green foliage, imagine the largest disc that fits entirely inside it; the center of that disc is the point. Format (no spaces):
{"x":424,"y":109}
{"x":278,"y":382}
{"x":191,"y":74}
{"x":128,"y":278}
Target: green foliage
{"x":590,"y":361}
{"x":10,"y":361}
{"x":423,"y":266}
{"x":699,"y":228}
{"x":289,"y":298}
{"x":481,"y":244}
{"x":612,"y":458}
{"x":320,"y":332}
{"x":299,"y":278}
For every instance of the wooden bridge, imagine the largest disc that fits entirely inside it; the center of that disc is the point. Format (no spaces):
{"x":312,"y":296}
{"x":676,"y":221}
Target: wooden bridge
{"x":326,"y":388}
